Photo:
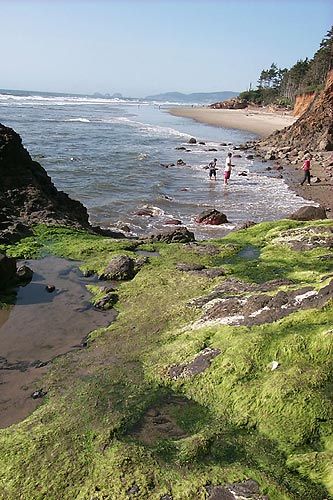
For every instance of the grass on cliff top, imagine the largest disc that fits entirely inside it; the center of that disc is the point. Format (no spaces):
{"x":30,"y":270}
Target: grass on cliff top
{"x":247,"y":421}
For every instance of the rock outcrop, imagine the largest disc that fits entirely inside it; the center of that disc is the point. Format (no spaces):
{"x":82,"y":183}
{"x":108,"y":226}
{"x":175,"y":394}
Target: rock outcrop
{"x":27,"y":194}
{"x":235,"y":103}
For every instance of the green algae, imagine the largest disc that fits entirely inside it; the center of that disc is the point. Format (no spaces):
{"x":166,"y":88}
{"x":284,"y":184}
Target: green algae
{"x":243,"y":419}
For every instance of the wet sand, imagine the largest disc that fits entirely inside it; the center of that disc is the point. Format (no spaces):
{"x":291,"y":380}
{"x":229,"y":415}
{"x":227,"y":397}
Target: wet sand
{"x":260,"y":122}
{"x":40,"y":327}
{"x":264,"y":123}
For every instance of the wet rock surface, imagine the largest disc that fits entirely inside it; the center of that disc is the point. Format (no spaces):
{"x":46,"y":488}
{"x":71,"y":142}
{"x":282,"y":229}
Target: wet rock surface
{"x":213,"y":217}
{"x":248,"y":489}
{"x":199,"y":364}
{"x":234,"y":305}
{"x":300,"y":239}
{"x":174,"y":235}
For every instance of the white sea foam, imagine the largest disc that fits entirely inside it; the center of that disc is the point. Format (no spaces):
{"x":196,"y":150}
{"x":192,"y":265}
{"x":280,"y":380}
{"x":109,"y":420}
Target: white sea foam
{"x":83,"y":120}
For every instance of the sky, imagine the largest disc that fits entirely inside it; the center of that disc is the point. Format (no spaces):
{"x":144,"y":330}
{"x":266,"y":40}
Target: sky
{"x":144,"y":47}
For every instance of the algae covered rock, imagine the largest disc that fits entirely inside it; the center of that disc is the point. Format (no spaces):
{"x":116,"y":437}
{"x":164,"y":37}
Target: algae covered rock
{"x":120,"y":268}
{"x":177,"y":235}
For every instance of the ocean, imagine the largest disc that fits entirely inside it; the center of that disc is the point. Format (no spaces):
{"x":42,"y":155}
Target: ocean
{"x":110,"y":154}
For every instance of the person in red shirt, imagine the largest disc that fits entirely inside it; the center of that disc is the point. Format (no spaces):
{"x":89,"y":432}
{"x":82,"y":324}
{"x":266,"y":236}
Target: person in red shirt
{"x":306,"y":168}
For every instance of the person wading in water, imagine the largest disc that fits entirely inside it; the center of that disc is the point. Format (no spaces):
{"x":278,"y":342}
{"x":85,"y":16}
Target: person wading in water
{"x":212,"y":169}
{"x":227,"y":169}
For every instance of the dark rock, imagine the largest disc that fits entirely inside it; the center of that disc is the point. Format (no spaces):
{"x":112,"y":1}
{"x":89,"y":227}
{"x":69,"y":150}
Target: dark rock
{"x":174,"y":222}
{"x":7,"y":271}
{"x":213,"y":217}
{"x":203,"y":249}
{"x":133,"y":490}
{"x":192,"y":141}
{"x":243,"y":174}
{"x":236,"y":491}
{"x":180,"y":162}
{"x":27,"y":194}
{"x":200,"y":363}
{"x":247,"y":224}
{"x":107,"y":301}
{"x":309,"y":213}
{"x":120,"y":268}
{"x":181,"y":148}
{"x":202,"y":143}
{"x":146,"y":212}
{"x":50,"y":288}
{"x":212,"y":149}
{"x":107,"y":232}
{"x":176,"y":235}
{"x":237,"y":156}
{"x":38,"y":394}
{"x":189,"y":267}
{"x":184,"y":189}
{"x":249,"y":157}
{"x":24,"y":274}
{"x":213,"y":272}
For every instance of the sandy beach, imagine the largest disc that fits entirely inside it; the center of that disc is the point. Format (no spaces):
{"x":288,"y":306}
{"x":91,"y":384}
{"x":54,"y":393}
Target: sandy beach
{"x":264,"y":123}
{"x":258,"y":121}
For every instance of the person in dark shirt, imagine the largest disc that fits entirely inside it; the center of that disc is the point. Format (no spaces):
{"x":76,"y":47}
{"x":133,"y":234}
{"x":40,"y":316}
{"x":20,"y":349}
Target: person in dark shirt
{"x":212,"y":169}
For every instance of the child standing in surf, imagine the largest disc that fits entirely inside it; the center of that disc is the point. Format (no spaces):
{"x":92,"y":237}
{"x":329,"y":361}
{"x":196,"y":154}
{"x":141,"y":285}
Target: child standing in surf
{"x":227,"y":169}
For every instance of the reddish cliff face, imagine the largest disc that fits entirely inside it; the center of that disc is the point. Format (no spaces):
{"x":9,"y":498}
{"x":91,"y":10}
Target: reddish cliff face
{"x":313,"y":131}
{"x":302,"y":103}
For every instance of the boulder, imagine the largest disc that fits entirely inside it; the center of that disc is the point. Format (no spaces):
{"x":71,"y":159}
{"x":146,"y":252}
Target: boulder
{"x":309,"y":213}
{"x":174,"y":235}
{"x":7,"y":271}
{"x":192,"y":141}
{"x":24,"y":274}
{"x":120,"y":268}
{"x":213,"y":217}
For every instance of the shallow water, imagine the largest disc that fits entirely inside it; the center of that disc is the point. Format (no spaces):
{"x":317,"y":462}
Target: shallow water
{"x":108,"y":154}
{"x":41,"y":326}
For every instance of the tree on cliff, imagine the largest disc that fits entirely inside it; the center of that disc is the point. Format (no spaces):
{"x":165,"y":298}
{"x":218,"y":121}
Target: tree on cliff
{"x":281,"y":86}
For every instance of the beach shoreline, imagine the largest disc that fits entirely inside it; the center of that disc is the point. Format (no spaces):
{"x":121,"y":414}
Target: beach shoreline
{"x":264,"y":123}
{"x":256,"y":120}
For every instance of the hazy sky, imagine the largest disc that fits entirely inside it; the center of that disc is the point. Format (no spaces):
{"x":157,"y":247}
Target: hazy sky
{"x":141,"y":47}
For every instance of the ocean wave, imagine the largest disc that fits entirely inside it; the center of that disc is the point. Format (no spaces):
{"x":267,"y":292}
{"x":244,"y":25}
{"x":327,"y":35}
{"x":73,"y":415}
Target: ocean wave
{"x":82,"y":120}
{"x":63,"y":100}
